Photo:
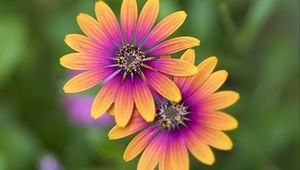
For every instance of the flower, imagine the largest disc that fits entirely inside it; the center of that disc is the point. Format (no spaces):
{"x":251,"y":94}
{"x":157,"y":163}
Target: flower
{"x":126,"y":59}
{"x":77,"y":107}
{"x":195,"y":123}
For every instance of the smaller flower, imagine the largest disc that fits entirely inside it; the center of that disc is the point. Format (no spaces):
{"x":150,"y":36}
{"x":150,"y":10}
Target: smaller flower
{"x":194,"y":123}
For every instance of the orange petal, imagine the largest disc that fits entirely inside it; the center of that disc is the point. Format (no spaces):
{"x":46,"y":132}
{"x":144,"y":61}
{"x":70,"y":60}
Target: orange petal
{"x":146,"y":20}
{"x":173,"y":45}
{"x":150,"y":157}
{"x":220,"y":100}
{"x":105,"y":97}
{"x":136,"y":123}
{"x":219,"y":121}
{"x":108,"y":21}
{"x":215,"y":138}
{"x":129,"y":12}
{"x":175,"y":67}
{"x":189,"y":56}
{"x":165,"y":159}
{"x":80,"y":61}
{"x":144,"y":100}
{"x":179,"y":155}
{"x":80,"y":43}
{"x":124,"y":103}
{"x":204,"y":70}
{"x":199,"y":149}
{"x":212,"y":84}
{"x":85,"y":80}
{"x":94,"y":31}
{"x":165,"y":28}
{"x":163,"y":85}
{"x":138,"y":143}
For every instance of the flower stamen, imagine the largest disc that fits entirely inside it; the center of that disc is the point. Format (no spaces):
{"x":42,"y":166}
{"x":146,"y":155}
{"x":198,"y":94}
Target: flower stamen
{"x":172,"y":114}
{"x":130,"y":58}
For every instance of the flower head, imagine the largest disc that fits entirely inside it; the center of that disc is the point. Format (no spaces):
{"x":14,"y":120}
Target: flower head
{"x":194,"y":124}
{"x":126,"y":59}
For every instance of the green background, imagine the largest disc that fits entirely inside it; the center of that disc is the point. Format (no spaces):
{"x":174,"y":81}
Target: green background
{"x":257,"y":41}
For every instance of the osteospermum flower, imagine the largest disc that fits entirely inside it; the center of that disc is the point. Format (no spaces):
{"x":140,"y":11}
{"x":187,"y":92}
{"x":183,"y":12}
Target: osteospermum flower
{"x":125,"y":58}
{"x":195,"y":123}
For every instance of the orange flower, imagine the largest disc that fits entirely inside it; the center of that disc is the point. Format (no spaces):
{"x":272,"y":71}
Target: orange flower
{"x":194,"y":124}
{"x":124,"y":58}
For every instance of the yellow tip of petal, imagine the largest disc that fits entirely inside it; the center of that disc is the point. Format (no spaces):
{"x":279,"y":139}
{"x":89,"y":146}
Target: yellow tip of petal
{"x":67,"y":89}
{"x":210,"y":162}
{"x":110,"y":134}
{"x":177,"y":98}
{"x":149,"y":119}
{"x":212,"y":60}
{"x":95,"y":115}
{"x":126,"y":159}
{"x":194,"y":70}
{"x":236,"y":95}
{"x":236,"y":125}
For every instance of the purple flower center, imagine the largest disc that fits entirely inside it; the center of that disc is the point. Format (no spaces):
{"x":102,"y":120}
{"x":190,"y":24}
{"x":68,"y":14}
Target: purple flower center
{"x":130,"y":58}
{"x":171,"y":115}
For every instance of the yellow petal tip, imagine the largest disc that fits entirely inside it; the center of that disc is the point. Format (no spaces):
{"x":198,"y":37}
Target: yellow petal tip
{"x":194,"y":70}
{"x":210,"y":162}
{"x":125,"y":158}
{"x":177,"y":98}
{"x":110,"y":134}
{"x":94,"y":116}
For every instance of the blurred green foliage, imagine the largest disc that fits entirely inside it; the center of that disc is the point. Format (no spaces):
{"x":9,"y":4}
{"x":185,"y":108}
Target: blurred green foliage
{"x":257,"y":41}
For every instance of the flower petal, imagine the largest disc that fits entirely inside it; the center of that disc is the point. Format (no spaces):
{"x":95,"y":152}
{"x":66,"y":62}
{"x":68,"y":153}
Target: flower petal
{"x":83,"y":44}
{"x":124,"y":103}
{"x":179,"y":154}
{"x":165,"y":28}
{"x":189,"y":56}
{"x":138,"y":143}
{"x":220,"y":100}
{"x":173,"y":45}
{"x":214,"y":138}
{"x":80,"y":61}
{"x":212,"y":84}
{"x":150,"y":156}
{"x":165,"y":158}
{"x":198,"y":148}
{"x":108,"y":20}
{"x":219,"y":121}
{"x":144,"y":100}
{"x":111,"y":110}
{"x":105,"y":97}
{"x":128,"y":15}
{"x":172,"y":66}
{"x":146,"y":20}
{"x":86,"y":80}
{"x":136,"y":123}
{"x":204,"y":70}
{"x":163,"y":85}
{"x":94,"y":31}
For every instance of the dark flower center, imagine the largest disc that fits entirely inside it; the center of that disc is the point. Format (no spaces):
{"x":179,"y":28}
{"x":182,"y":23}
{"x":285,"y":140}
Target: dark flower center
{"x":130,"y":58}
{"x":171,"y":115}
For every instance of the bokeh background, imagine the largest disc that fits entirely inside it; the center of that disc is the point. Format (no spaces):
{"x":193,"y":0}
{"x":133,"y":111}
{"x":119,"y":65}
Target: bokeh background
{"x":257,"y":41}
